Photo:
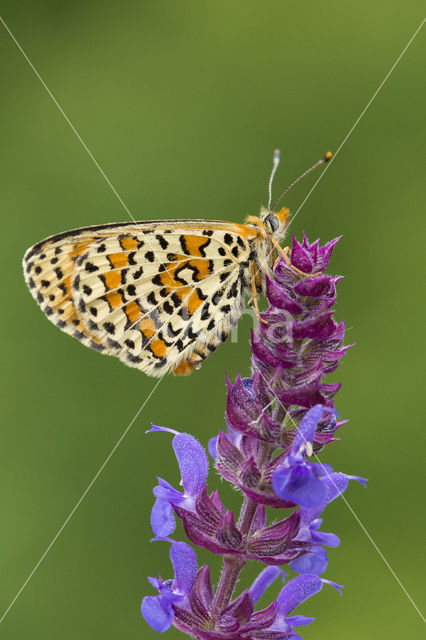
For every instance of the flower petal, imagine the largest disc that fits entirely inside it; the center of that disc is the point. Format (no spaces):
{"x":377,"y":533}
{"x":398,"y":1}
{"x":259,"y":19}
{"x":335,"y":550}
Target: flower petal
{"x":299,"y":621}
{"x":328,"y":539}
{"x":162,"y":519}
{"x":336,"y":586}
{"x":158,"y":616}
{"x":212,"y":447}
{"x":334,"y":485}
{"x":297,"y":591}
{"x":307,"y":427}
{"x":184,"y":562}
{"x":298,"y":483}
{"x":193,"y":463}
{"x":264,"y":580}
{"x":313,"y":562}
{"x":165,"y":491}
{"x":156,"y":427}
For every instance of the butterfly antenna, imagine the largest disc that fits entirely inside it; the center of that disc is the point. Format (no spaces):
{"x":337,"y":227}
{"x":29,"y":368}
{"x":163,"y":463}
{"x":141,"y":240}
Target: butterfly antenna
{"x":276,"y":162}
{"x":323,"y":160}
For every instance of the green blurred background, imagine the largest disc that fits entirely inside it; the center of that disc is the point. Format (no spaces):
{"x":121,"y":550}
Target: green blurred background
{"x":182,"y":104}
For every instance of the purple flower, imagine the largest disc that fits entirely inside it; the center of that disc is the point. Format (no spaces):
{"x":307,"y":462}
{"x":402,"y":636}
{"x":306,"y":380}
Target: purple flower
{"x":297,"y":480}
{"x":315,"y":560}
{"x":193,"y":466}
{"x":159,"y":610}
{"x":291,"y":595}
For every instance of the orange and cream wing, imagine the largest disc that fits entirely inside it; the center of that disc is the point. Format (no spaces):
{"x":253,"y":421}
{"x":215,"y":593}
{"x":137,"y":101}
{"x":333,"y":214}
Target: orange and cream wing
{"x":158,"y":295}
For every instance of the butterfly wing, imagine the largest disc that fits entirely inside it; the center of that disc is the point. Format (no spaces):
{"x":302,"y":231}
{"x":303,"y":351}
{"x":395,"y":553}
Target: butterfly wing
{"x":158,"y":295}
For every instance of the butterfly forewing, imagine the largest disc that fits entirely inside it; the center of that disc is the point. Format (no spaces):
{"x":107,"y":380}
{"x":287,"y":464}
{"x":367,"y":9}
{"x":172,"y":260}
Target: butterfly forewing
{"x":158,"y":295}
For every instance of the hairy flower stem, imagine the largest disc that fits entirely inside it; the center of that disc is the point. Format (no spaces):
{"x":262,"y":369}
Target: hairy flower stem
{"x":232,"y":565}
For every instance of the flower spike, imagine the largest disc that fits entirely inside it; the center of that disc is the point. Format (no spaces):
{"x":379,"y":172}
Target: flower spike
{"x":278,"y":421}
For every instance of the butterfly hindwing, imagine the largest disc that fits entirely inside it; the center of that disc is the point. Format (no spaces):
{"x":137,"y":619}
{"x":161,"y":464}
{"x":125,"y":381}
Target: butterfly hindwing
{"x":159,"y":296}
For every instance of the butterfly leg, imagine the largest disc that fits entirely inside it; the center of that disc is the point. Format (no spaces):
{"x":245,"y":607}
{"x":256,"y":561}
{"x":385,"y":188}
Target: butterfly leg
{"x":284,"y":254}
{"x":254,"y":292}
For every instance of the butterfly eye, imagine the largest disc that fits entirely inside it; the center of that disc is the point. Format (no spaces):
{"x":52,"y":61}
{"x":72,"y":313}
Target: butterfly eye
{"x":271,"y":222}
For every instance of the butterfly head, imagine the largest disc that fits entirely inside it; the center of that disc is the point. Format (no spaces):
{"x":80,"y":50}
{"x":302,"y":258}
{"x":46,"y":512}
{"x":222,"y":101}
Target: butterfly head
{"x":275,"y":222}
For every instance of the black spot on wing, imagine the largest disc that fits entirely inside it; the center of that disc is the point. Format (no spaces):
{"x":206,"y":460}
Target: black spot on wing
{"x":201,"y":294}
{"x":63,"y":288}
{"x":205,"y":313}
{"x":233,"y":290}
{"x":162,"y":241}
{"x":108,"y":326}
{"x":217,"y":297}
{"x":173,"y":332}
{"x":203,"y":246}
{"x":176,"y":300}
{"x":90,"y":267}
{"x":152,"y":299}
{"x":134,"y":359}
{"x":182,"y":241}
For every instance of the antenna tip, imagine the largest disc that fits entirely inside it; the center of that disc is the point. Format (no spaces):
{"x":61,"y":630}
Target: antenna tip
{"x":328,"y":156}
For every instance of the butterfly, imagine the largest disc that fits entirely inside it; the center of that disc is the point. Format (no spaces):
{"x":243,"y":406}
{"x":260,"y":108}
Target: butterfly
{"x":161,"y":295}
